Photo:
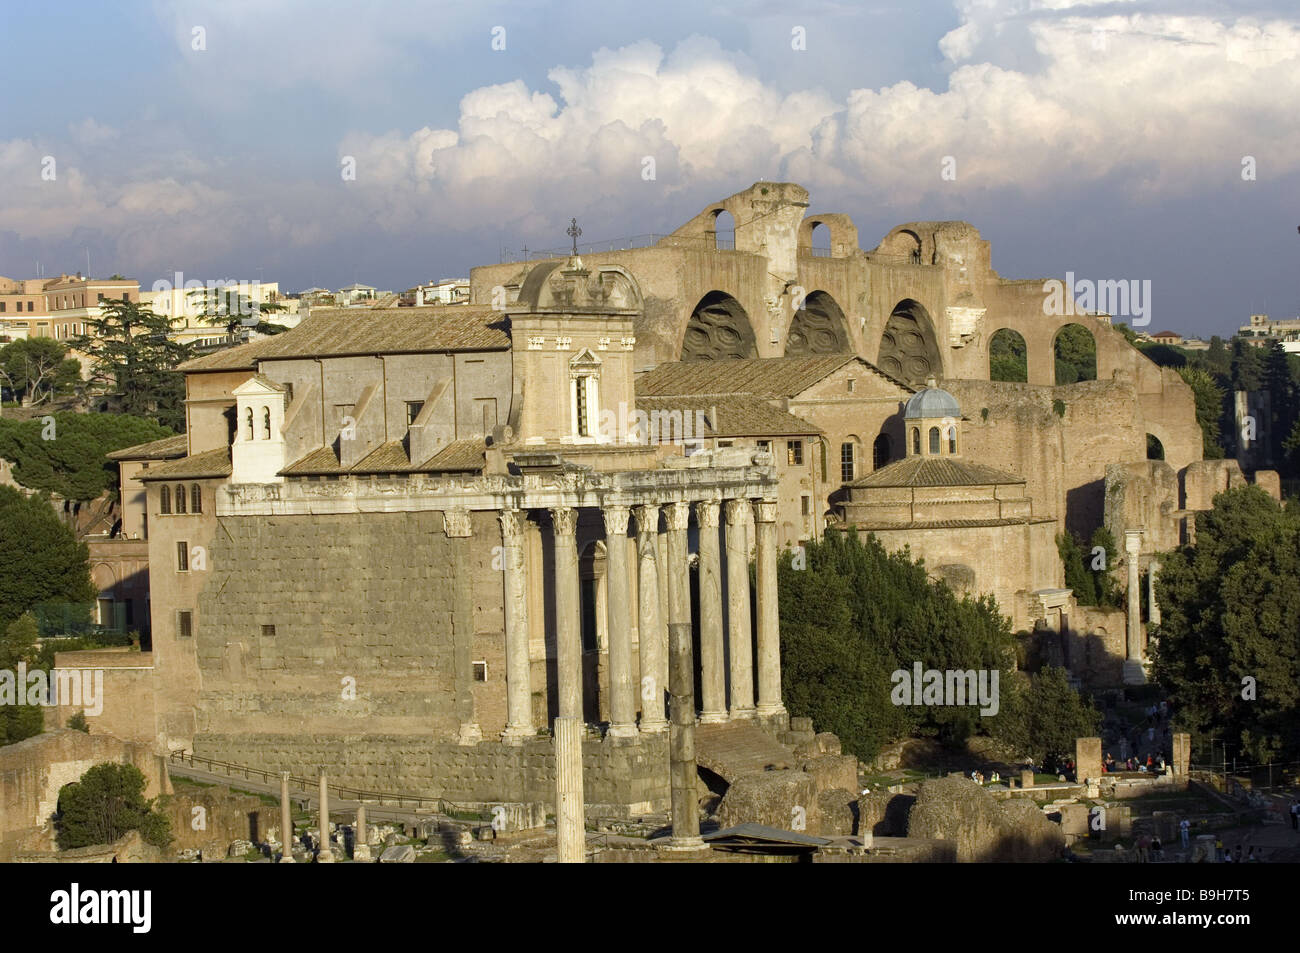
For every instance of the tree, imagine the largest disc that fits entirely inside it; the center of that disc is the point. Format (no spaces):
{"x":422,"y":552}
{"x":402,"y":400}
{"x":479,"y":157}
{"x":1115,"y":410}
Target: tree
{"x":106,"y":803}
{"x":226,"y":306}
{"x":1044,"y":717}
{"x":1076,"y":355}
{"x":1247,"y":366}
{"x":135,"y":358}
{"x":1007,"y":358}
{"x":1281,"y":400}
{"x":1228,"y":647}
{"x":73,"y":463}
{"x":18,"y":644}
{"x":1209,"y":408}
{"x":41,"y":558}
{"x":855,"y":615}
{"x":36,"y":369}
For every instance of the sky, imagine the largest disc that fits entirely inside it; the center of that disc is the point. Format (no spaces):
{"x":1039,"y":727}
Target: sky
{"x":1115,"y":139}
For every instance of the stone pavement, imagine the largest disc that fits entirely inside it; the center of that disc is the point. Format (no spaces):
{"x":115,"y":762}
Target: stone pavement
{"x":733,"y":749}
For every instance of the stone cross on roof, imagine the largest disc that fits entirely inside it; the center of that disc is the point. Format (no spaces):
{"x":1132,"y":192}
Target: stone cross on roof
{"x":573,"y":231}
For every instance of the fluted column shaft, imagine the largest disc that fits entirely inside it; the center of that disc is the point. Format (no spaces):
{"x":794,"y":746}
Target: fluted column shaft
{"x":654,"y":655}
{"x":519,"y":689}
{"x":739,"y":518}
{"x":570,"y":832}
{"x":713,"y":682}
{"x":681,"y":685}
{"x":622,"y":698}
{"x":769,"y":635}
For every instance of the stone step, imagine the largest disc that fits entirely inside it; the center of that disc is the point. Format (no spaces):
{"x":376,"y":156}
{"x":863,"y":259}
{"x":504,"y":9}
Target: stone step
{"x":733,"y":749}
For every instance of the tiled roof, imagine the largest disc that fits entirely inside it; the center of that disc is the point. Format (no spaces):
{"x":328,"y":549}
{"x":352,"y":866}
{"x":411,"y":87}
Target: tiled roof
{"x":728,"y":415}
{"x":459,"y":455}
{"x":763,"y":377}
{"x":206,"y":465}
{"x":323,"y":460}
{"x":956,"y":524}
{"x":935,"y":471}
{"x":167,"y":448}
{"x":391,"y":457}
{"x":334,"y":332}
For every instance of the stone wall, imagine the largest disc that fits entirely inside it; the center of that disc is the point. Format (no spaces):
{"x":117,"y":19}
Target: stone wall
{"x":620,"y":779}
{"x":32,"y":772}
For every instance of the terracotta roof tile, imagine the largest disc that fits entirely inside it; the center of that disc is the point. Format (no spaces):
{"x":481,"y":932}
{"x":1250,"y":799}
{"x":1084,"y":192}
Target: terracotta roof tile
{"x":206,"y":465}
{"x":168,"y":448}
{"x":935,"y":471}
{"x":763,"y":377}
{"x":729,"y":415}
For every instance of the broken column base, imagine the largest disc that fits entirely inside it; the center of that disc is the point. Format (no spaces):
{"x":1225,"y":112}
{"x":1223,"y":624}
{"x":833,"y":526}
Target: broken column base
{"x":1134,"y":673}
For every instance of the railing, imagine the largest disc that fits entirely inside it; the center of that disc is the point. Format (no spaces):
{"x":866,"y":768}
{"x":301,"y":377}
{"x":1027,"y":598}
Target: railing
{"x":649,"y":240}
{"x":308,"y":785}
{"x":814,"y":252}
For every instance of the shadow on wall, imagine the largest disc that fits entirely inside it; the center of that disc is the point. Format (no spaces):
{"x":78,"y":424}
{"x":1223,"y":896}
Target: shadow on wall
{"x":1085,"y":508}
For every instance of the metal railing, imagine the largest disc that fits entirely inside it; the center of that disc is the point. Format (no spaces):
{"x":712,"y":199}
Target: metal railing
{"x":310,"y":785}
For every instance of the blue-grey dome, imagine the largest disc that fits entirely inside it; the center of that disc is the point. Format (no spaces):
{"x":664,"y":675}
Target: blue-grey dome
{"x":931,"y":402}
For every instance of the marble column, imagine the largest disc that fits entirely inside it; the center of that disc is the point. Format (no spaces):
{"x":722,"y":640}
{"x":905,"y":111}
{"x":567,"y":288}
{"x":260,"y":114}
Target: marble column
{"x":622,"y":697}
{"x":360,"y":848}
{"x":739,"y":518}
{"x":681,"y":687}
{"x":325,"y":855}
{"x":654,"y":657}
{"x":1134,"y":674}
{"x":1153,"y":607}
{"x":713,"y":681}
{"x":519,"y":687}
{"x":286,"y":820}
{"x":570,"y":824}
{"x":769,"y":635}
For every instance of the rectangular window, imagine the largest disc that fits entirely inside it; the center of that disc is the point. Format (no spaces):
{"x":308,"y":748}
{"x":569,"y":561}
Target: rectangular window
{"x":852,"y":384}
{"x":2,"y":307}
{"x":182,"y":556}
{"x":580,"y":402}
{"x":765,"y":446}
{"x":726,"y":443}
{"x":794,"y":452}
{"x":805,"y":505}
{"x":480,"y":671}
{"x":268,"y":631}
{"x":413,"y":408}
{"x":846,"y":462}
{"x":184,"y":624}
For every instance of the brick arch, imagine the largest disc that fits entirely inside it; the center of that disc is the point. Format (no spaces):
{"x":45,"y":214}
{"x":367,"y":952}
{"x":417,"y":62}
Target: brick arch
{"x":103,"y":577}
{"x":818,"y":327}
{"x":1023,"y":349}
{"x":1056,"y":337}
{"x":719,"y":330}
{"x":909,"y":349}
{"x":843,"y":234}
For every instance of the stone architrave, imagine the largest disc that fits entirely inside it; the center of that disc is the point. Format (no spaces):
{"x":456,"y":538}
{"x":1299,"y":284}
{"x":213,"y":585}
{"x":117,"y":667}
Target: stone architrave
{"x":514,"y":565}
{"x":622,"y":698}
{"x":740,"y":515}
{"x":570,"y":827}
{"x":654,"y":651}
{"x":286,"y":820}
{"x":713,"y":678}
{"x":325,"y":855}
{"x":769,"y":639}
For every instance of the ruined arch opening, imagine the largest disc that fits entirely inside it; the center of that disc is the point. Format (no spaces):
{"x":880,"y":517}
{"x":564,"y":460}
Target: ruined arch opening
{"x":909,"y":349}
{"x":722,"y":235}
{"x":1008,"y":357}
{"x":819,"y":240}
{"x":817,"y":328}
{"x":1074,"y":351}
{"x":719,"y":330}
{"x":1155,"y":449}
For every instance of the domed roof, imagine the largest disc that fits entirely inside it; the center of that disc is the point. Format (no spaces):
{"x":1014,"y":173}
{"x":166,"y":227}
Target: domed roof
{"x":931,"y":402}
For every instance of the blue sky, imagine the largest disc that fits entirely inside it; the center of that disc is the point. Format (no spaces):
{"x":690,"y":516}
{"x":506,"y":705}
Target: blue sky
{"x":1103,"y":138}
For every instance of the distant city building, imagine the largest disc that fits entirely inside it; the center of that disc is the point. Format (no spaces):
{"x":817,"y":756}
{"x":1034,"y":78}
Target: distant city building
{"x":1261,"y":332}
{"x":1171,"y":338}
{"x":59,"y":307}
{"x":185,"y":308}
{"x":443,"y":291}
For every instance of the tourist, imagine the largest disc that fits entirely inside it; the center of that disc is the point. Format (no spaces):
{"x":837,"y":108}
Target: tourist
{"x":1252,"y":857}
{"x":1157,"y":849}
{"x":1185,"y":831}
{"x":1237,"y":858}
{"x":1218,"y":849}
{"x":1295,"y":815}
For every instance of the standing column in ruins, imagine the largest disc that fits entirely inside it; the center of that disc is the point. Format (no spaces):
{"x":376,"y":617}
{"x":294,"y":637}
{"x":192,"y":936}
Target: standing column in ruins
{"x":1153,"y":607}
{"x":654,"y":678}
{"x":622,"y":698}
{"x":570,"y":834}
{"x":360,"y":848}
{"x":739,"y":516}
{"x":519,"y":693}
{"x":769,"y":636}
{"x":324,"y":855}
{"x":713,"y":680}
{"x":681,"y":686}
{"x":286,"y":820}
{"x":1134,"y":674}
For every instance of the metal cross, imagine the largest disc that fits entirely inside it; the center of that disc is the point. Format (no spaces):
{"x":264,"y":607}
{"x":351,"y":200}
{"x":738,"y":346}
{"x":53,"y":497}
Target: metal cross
{"x":573,"y":231}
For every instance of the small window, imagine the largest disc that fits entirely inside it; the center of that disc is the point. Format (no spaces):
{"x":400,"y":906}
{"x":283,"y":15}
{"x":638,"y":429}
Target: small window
{"x":852,"y":384}
{"x":726,"y":443}
{"x":196,"y":498}
{"x":413,"y":408}
{"x":480,"y":671}
{"x":165,"y":499}
{"x":952,"y":439}
{"x":266,"y":423}
{"x":180,"y":497}
{"x":183,"y":556}
{"x":846,"y":462}
{"x":916,"y":440}
{"x":934,"y":440}
{"x":248,"y":419}
{"x":184,"y":624}
{"x":794,"y":453}
{"x":580,"y":403}
{"x":268,"y":631}
{"x":765,"y":446}
{"x":805,"y":504}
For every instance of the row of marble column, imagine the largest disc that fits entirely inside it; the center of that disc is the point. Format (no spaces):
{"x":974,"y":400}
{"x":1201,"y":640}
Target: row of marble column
{"x":663,"y":585}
